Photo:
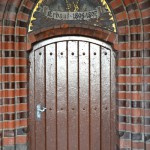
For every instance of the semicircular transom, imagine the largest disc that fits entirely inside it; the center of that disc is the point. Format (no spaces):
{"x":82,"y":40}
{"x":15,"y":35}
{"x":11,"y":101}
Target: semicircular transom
{"x":49,"y":13}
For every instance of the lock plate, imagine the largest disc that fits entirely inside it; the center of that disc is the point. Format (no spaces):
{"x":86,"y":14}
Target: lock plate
{"x":39,"y":110}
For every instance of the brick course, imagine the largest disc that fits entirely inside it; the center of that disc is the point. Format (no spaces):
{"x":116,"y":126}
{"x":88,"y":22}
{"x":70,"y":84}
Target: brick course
{"x":132,"y":46}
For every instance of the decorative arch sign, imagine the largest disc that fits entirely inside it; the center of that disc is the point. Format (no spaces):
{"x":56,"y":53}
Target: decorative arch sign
{"x":48,"y":13}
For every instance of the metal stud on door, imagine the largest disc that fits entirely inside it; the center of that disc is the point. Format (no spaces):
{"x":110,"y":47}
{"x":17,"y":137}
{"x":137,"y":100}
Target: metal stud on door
{"x":74,"y":101}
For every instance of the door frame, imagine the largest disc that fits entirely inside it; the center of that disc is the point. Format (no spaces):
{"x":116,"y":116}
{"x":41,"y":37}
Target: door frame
{"x":113,"y":87}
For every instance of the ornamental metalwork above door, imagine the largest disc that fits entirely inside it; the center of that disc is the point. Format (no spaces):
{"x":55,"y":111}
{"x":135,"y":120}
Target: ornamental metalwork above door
{"x":72,"y":95}
{"x":96,"y":13}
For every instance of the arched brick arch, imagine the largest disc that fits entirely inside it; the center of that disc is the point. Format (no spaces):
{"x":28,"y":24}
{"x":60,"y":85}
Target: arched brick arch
{"x":63,"y":30}
{"x":132,"y":41}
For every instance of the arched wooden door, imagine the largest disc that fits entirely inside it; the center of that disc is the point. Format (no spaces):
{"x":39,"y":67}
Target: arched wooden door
{"x":72,"y":77}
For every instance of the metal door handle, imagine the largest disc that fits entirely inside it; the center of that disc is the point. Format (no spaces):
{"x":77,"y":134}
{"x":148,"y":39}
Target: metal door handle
{"x":39,"y":110}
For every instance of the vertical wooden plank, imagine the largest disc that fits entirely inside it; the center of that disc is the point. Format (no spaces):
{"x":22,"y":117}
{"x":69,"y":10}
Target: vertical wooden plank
{"x":40,"y":97}
{"x":61,"y":97}
{"x":84,"y":94}
{"x":95,"y":96}
{"x":31,"y":102}
{"x":73,"y":95}
{"x":105,"y":98}
{"x":113,"y":102}
{"x":51,"y":97}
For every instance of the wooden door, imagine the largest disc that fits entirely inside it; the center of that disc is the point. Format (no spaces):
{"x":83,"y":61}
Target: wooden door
{"x":74,"y":79}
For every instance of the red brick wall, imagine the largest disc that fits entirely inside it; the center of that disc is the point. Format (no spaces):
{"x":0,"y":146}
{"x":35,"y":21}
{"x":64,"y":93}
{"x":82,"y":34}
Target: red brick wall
{"x":132,"y":42}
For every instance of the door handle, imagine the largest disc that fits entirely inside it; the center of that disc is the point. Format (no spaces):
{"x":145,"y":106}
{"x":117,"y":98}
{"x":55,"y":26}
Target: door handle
{"x":39,"y":110}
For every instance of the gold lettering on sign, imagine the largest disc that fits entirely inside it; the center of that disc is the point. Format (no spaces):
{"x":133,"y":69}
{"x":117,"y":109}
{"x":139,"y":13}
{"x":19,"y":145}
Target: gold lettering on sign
{"x":72,"y":6}
{"x":71,"y":10}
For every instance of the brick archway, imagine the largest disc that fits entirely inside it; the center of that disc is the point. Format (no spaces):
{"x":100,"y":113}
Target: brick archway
{"x":131,"y":41}
{"x":97,"y":33}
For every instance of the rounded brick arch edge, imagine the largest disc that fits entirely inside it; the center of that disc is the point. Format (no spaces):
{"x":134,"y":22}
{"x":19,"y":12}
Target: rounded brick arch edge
{"x":96,"y":33}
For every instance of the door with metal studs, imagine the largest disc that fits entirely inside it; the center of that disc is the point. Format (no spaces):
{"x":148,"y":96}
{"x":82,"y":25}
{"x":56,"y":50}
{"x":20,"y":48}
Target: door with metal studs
{"x":72,"y":95}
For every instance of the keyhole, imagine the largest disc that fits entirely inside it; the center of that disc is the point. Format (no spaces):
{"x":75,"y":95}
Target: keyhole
{"x":72,"y":53}
{"x":61,"y":53}
{"x":40,"y":53}
{"x":51,"y":53}
{"x":83,"y":53}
